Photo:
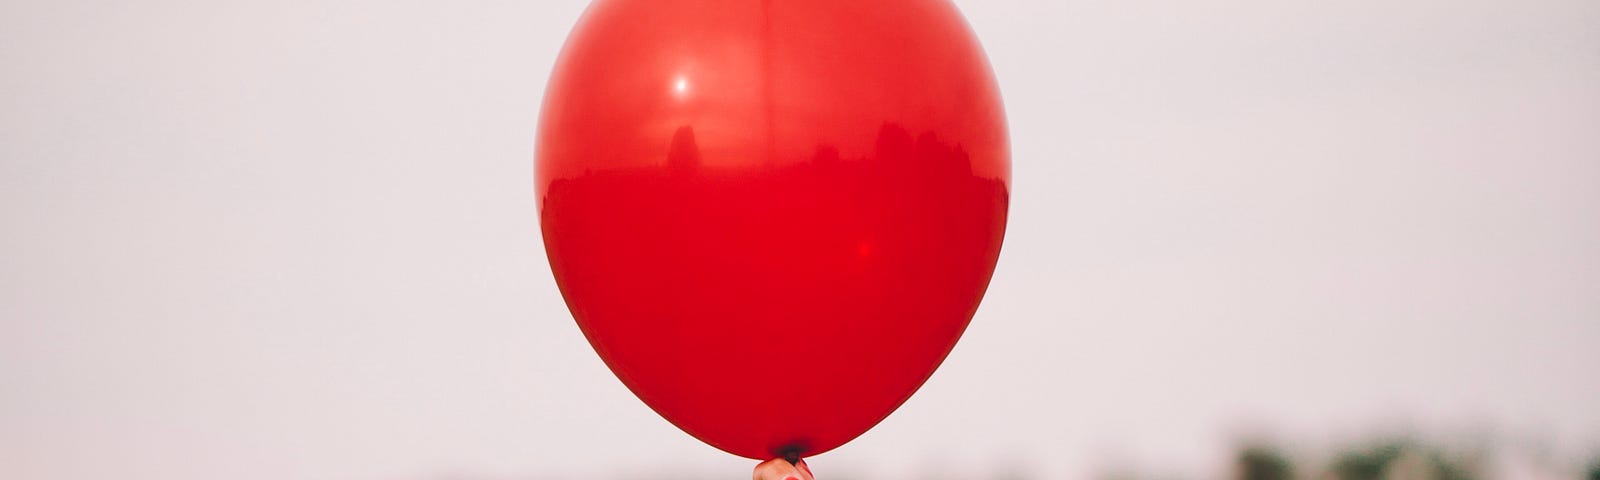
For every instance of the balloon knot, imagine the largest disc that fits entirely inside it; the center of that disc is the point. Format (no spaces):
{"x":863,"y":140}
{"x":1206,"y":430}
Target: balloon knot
{"x":791,"y":454}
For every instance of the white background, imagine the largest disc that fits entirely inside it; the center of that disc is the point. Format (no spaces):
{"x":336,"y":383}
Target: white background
{"x":297,"y":240}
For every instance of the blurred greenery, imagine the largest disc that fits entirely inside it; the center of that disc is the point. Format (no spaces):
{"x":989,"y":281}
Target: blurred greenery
{"x":1389,"y":458}
{"x":1264,"y":463}
{"x":1365,"y":464}
{"x":1399,"y":460}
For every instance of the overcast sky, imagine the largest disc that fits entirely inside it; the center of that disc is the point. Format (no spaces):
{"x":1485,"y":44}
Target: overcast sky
{"x":297,"y":240}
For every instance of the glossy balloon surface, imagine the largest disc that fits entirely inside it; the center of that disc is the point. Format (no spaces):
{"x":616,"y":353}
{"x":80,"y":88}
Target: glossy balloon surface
{"x":773,"y":219}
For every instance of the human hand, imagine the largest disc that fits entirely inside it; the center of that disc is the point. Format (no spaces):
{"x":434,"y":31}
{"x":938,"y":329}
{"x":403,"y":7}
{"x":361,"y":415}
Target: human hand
{"x":780,"y":469}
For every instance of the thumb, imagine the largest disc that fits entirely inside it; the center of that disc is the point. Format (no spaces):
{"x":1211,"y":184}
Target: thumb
{"x":780,"y":469}
{"x":805,"y":469}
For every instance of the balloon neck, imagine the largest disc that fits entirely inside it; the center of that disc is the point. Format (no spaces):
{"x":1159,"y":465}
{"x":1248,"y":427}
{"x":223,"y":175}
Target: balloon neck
{"x":791,"y":455}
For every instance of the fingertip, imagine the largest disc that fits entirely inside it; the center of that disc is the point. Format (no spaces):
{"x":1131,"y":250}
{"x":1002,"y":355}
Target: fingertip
{"x":777,"y":469}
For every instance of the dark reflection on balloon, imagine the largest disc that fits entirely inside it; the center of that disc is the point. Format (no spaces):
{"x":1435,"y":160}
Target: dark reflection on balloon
{"x":683,"y":156}
{"x":862,"y":258}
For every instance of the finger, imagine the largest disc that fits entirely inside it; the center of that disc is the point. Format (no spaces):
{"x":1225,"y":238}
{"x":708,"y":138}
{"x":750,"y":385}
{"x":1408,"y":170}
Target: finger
{"x":778,"y":469}
{"x":806,"y":469}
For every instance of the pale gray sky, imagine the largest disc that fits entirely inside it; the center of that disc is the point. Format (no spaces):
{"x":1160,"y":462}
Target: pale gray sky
{"x":297,"y":240}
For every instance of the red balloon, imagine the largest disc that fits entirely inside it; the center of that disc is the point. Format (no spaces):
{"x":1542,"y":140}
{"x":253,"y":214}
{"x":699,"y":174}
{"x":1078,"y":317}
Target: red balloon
{"x":773,"y":219}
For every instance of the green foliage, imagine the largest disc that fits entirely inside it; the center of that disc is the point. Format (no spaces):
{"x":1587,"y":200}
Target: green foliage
{"x":1366,"y":464}
{"x":1261,"y":463}
{"x":1398,"y":460}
